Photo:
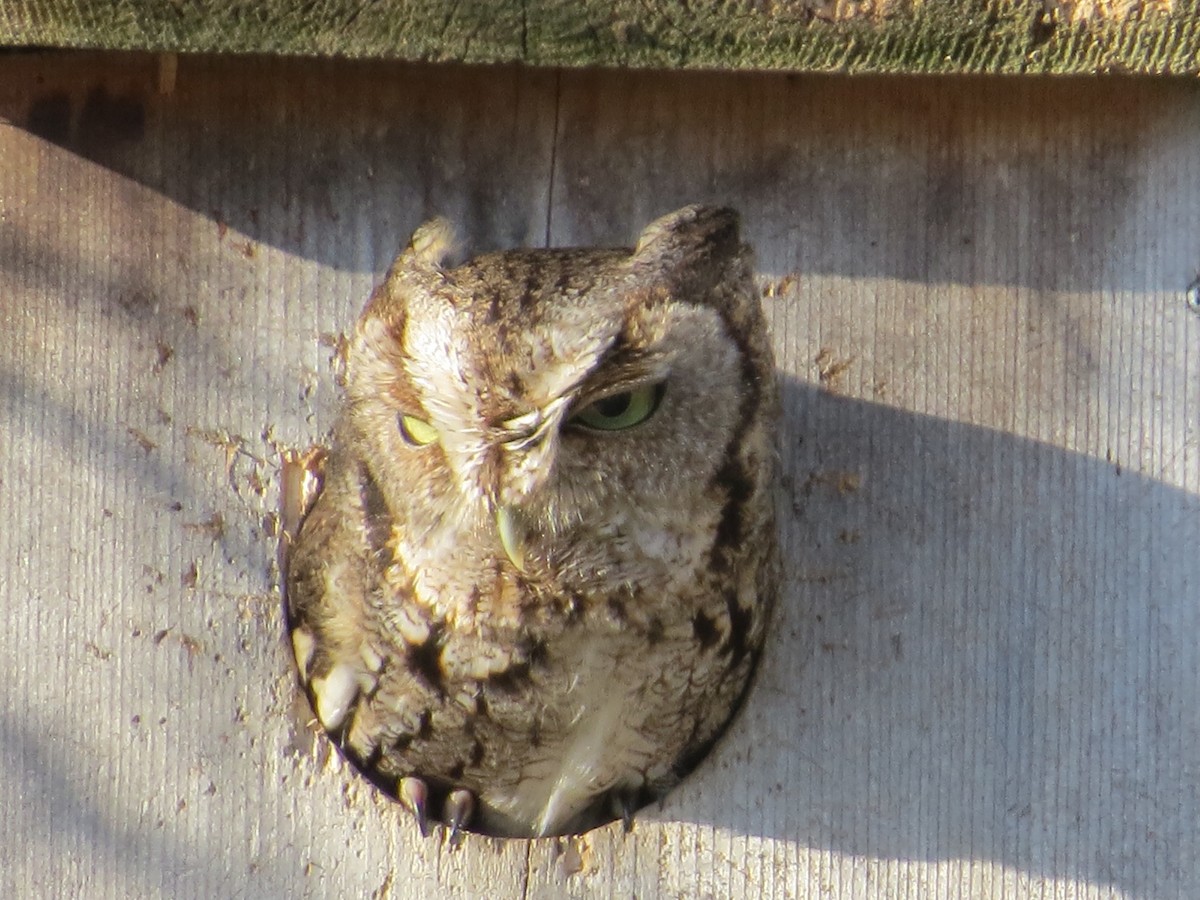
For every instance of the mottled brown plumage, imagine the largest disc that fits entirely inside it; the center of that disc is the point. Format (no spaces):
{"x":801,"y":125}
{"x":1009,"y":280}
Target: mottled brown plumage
{"x":535,"y":584}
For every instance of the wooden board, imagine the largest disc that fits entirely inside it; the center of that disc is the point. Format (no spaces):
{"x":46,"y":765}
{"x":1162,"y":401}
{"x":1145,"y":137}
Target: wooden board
{"x":880,"y":36}
{"x":984,"y":678}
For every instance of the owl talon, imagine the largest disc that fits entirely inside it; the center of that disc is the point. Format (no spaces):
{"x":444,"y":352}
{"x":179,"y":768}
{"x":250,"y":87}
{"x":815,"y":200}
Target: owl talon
{"x":415,"y":796}
{"x":624,"y":804}
{"x":335,"y":692}
{"x":304,"y":648}
{"x":460,"y":806}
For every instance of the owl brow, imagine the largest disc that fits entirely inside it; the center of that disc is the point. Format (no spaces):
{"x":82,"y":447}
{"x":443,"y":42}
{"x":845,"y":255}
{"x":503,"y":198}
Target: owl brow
{"x":405,"y":395}
{"x":628,"y":369}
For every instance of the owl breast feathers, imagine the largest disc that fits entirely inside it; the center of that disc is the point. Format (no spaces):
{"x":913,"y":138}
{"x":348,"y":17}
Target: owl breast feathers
{"x":535,"y":584}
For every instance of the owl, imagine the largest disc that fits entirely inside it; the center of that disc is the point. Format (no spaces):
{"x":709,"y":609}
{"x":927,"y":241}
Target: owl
{"x":534,"y":586}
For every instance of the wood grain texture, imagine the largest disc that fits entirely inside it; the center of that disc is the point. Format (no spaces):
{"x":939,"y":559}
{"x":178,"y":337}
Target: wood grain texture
{"x":984,"y":679}
{"x":879,"y":36}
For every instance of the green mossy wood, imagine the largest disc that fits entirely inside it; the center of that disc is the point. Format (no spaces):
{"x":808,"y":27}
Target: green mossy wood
{"x":994,"y":36}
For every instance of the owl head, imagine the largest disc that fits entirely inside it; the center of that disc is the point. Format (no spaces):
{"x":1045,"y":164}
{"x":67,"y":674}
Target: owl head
{"x":576,"y":413}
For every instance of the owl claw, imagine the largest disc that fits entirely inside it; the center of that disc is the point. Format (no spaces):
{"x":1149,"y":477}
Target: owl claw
{"x":304,"y":648}
{"x":624,"y":805}
{"x":415,"y":796}
{"x":334,"y":693}
{"x":460,"y":806}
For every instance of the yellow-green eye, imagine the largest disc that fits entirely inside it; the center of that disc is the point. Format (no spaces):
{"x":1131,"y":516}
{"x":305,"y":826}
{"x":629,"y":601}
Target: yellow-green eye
{"x":417,"y":432}
{"x":619,"y":411}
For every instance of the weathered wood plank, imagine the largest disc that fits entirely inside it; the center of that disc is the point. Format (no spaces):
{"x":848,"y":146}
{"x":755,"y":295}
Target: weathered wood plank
{"x":984,"y":680}
{"x":888,"y":36}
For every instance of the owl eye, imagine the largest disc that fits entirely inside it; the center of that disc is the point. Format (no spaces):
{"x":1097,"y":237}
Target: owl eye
{"x":416,"y":432}
{"x":617,"y":412}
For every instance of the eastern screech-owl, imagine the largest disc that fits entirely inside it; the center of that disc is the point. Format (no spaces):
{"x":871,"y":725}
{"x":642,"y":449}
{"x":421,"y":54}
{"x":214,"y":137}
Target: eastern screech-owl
{"x":534,"y":587}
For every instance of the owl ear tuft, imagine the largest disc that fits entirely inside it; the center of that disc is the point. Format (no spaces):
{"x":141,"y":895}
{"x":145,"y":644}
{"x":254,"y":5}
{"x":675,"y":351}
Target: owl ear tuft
{"x":419,"y":265}
{"x":692,"y":250}
{"x":430,"y":246}
{"x":690,"y":234}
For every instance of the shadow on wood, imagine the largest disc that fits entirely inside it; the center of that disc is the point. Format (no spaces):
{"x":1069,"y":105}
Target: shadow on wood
{"x":1004,"y":165}
{"x":982,"y":653}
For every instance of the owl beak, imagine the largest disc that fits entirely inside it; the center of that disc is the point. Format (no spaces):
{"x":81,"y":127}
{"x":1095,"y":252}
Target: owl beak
{"x":512,"y":535}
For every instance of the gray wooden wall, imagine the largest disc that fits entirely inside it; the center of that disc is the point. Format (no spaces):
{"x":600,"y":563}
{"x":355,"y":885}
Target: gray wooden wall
{"x":984,"y":680}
